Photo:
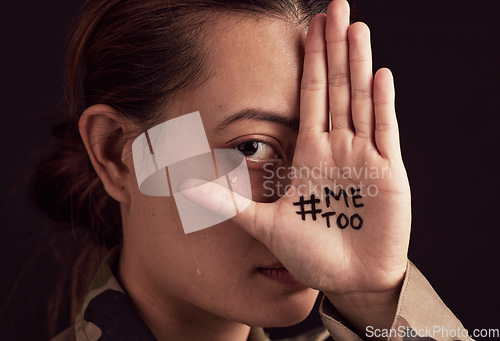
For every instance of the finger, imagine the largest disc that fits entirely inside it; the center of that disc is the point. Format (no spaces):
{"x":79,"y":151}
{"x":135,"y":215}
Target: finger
{"x":386,"y":125}
{"x":313,"y":94}
{"x":360,"y":62}
{"x":339,"y":86}
{"x":255,"y":218}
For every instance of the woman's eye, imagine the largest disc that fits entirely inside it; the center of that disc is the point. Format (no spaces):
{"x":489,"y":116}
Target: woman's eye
{"x":257,"y":150}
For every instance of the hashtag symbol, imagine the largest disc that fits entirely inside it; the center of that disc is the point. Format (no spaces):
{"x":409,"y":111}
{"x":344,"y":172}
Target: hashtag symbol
{"x":302,"y":203}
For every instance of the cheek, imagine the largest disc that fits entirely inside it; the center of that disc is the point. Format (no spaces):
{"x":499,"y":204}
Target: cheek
{"x":213,"y":269}
{"x":154,"y":215}
{"x":226,"y":283}
{"x":223,"y":252}
{"x":224,"y":249}
{"x":210,"y":269}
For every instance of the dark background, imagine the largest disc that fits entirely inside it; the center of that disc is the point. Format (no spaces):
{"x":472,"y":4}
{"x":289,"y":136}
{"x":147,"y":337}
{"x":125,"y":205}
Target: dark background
{"x":444,"y":55}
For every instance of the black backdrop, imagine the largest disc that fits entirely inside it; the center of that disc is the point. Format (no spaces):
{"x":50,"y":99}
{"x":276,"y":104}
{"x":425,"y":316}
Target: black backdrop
{"x":444,"y":55}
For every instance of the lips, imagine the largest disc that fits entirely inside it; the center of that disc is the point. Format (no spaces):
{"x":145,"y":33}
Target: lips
{"x":278,"y":273}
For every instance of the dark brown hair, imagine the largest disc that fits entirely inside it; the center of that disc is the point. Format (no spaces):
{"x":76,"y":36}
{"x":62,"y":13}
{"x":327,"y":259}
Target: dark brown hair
{"x":132,"y":55}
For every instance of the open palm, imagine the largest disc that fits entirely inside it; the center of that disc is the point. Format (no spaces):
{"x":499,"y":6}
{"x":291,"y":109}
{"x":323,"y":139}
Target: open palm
{"x":348,"y":133}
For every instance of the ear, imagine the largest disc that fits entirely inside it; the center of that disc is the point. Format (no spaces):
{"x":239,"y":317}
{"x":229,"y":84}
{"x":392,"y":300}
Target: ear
{"x":103,"y":131}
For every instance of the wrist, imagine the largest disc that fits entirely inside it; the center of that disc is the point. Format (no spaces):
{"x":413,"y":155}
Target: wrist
{"x":368,"y":309}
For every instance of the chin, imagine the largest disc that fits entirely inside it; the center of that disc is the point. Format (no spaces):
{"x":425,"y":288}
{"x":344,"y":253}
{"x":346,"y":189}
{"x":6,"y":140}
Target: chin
{"x":286,"y":311}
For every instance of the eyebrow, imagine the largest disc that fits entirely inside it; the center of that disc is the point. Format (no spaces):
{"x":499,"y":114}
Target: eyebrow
{"x":258,"y":115}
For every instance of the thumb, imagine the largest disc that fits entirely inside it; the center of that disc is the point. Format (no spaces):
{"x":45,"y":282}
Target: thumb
{"x":255,"y":218}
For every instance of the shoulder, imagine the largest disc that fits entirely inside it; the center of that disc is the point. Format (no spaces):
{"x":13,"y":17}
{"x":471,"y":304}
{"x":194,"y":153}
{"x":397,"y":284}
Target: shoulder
{"x":67,"y":335}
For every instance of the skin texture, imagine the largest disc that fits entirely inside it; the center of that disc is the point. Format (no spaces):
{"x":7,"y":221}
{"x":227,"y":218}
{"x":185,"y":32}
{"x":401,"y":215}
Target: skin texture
{"x":206,"y":285}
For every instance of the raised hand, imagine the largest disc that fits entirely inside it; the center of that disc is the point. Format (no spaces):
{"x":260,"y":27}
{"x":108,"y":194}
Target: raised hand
{"x":348,"y":129}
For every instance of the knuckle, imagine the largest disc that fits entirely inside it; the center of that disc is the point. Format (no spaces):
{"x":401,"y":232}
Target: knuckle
{"x":363,"y":134}
{"x":339,"y":125}
{"x":313,"y":84}
{"x":359,"y":60}
{"x":384,"y":126}
{"x":364,"y":129}
{"x":337,"y":80}
{"x":314,"y":49}
{"x":382,"y":103}
{"x":307,"y":130}
{"x":361,"y":94}
{"x":334,"y":38}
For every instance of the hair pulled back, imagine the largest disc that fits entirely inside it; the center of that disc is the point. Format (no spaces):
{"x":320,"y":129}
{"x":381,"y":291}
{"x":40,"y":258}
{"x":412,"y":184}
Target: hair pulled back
{"x":132,"y":55}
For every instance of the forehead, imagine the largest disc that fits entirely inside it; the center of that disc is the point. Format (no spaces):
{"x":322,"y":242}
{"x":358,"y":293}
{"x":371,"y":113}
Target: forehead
{"x":253,"y":63}
{"x":256,"y":46}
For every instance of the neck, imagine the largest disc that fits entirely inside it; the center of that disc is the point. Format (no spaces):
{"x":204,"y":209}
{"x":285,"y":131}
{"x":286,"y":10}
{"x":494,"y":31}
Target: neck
{"x":171,"y":318}
{"x":174,"y":326}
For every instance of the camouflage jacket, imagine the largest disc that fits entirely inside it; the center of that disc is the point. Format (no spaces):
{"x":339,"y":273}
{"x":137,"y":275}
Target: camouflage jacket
{"x":107,"y":314}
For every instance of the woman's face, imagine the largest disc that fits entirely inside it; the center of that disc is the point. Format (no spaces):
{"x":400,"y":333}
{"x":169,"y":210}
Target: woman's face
{"x":255,"y":64}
